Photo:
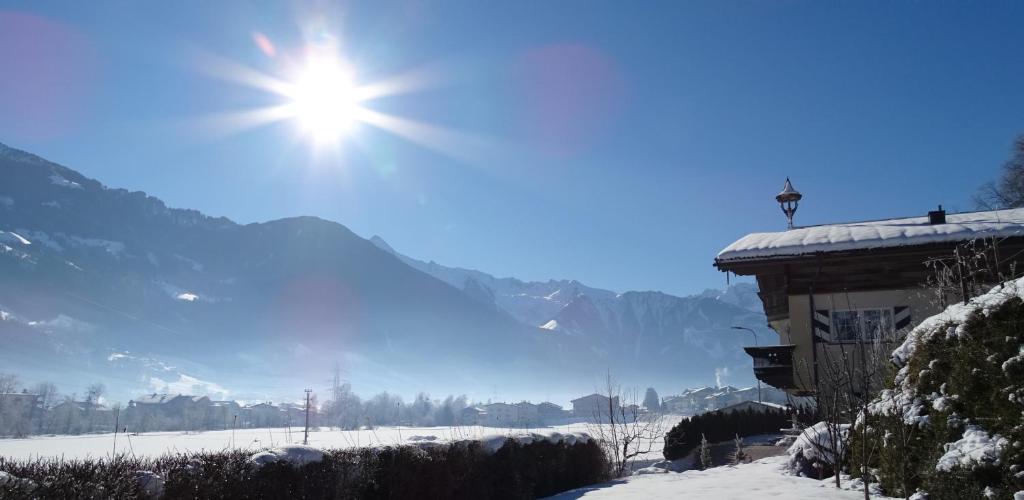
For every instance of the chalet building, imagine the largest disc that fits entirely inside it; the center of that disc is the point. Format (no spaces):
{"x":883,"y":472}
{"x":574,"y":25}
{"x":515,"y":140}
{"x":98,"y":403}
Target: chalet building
{"x":550,"y":412}
{"x":472,"y":415}
{"x":498,"y":415}
{"x":690,"y":402}
{"x":705,"y":399}
{"x":224,"y":415}
{"x":263,"y":415}
{"x":594,"y":406}
{"x":512,"y":415}
{"x":76,"y":417}
{"x":295,"y":414}
{"x":17,"y":411}
{"x":828,"y":289}
{"x":167,"y":412}
{"x":508,"y":415}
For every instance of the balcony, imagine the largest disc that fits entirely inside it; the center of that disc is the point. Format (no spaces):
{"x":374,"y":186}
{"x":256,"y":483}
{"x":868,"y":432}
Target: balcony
{"x":773,"y":365}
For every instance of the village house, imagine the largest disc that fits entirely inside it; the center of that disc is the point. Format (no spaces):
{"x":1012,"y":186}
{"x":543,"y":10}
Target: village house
{"x":295,"y":414}
{"x":520,"y":414}
{"x":75,"y":417}
{"x":223,"y":415}
{"x":498,"y":415}
{"x":263,"y":415}
{"x":830,"y":289}
{"x":17,"y":409}
{"x":526,"y":413}
{"x":689,"y":402}
{"x":594,"y":406}
{"x":550,"y":412}
{"x":167,"y":412}
{"x":705,"y":399}
{"x":472,"y":415}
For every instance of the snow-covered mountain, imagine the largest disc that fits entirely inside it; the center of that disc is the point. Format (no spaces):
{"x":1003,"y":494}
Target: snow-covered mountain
{"x":741,"y":295}
{"x":532,"y":302}
{"x":644,"y":325}
{"x":105,"y":283}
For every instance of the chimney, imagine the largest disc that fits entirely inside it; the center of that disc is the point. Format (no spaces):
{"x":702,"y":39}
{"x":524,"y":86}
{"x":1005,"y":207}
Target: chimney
{"x":937,"y":216}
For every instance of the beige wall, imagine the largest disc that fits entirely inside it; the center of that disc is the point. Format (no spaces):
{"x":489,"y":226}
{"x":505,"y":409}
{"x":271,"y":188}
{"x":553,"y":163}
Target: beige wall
{"x":797,"y":328}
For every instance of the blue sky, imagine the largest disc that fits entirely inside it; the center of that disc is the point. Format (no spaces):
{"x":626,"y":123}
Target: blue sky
{"x":618,"y":143}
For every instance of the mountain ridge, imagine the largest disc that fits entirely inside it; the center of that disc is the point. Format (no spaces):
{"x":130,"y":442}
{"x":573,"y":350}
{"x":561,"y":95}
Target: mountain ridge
{"x":110,"y":280}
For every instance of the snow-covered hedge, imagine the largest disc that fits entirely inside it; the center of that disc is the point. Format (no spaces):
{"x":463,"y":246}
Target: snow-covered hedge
{"x":522,"y":466}
{"x":951,"y":422}
{"x":816,"y":450}
{"x":293,"y":454}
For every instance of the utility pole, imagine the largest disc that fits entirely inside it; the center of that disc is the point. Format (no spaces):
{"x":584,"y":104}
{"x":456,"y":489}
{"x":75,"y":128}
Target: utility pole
{"x":305,"y":439}
{"x":752,"y":332}
{"x":117,"y":423}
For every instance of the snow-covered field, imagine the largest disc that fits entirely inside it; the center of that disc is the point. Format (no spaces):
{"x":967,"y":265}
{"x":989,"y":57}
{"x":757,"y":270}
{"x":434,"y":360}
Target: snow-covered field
{"x":760,"y":479}
{"x":158,"y":443}
{"x":763,"y":478}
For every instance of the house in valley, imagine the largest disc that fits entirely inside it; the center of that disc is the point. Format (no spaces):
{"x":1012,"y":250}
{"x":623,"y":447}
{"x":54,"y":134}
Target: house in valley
{"x":498,"y":415}
{"x":690,"y":401}
{"x":831,"y":291}
{"x":472,"y":415}
{"x":550,"y":413}
{"x":167,"y":412}
{"x":17,"y":410}
{"x":224,"y":415}
{"x":595,"y":407}
{"x":76,"y":417}
{"x":526,"y":414}
{"x":263,"y":415}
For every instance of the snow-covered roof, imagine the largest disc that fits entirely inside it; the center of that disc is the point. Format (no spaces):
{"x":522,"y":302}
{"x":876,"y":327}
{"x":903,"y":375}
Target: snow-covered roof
{"x":166,"y":398}
{"x":875,"y":234}
{"x":595,"y":397}
{"x":155,"y":398}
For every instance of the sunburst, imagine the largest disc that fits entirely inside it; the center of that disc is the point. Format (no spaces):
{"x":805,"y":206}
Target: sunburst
{"x":320,"y":93}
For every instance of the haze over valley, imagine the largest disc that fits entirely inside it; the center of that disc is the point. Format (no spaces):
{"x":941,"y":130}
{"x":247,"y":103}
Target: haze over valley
{"x":106,"y":285}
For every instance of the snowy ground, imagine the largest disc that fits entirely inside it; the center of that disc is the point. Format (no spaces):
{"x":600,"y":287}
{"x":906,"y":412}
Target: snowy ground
{"x":760,"y":479}
{"x":158,"y":443}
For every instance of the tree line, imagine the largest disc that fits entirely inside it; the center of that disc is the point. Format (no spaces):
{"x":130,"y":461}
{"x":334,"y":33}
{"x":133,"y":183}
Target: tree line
{"x":41,"y":409}
{"x":346,"y":410}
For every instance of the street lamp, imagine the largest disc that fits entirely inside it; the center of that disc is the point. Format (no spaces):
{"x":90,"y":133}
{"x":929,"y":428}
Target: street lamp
{"x":789,"y":200}
{"x":752,"y":332}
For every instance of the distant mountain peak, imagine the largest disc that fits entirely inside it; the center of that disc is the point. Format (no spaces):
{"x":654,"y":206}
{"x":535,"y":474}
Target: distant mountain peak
{"x":381,"y":244}
{"x":22,"y":156}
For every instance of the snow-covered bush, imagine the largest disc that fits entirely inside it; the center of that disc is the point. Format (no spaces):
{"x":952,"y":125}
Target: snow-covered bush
{"x":11,"y":486}
{"x":816,"y":450}
{"x":294,"y":454}
{"x":951,"y":422}
{"x":527,"y":466}
{"x":977,"y":447}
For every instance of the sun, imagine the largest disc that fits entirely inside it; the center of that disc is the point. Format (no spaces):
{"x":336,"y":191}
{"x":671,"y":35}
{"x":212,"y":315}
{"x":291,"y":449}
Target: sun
{"x":314,"y":88}
{"x":324,"y":99}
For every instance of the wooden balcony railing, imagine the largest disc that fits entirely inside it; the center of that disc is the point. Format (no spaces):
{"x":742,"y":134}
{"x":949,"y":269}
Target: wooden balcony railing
{"x":773,"y":365}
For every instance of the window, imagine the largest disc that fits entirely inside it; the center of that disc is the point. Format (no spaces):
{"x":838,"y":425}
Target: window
{"x":862,"y":324}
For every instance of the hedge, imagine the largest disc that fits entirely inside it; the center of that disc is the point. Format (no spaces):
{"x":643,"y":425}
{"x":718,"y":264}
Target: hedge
{"x":459,"y":470}
{"x":720,"y":426}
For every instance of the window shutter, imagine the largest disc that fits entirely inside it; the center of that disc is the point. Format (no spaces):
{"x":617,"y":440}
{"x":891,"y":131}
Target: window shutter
{"x":901,"y":316}
{"x":822,"y":324}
